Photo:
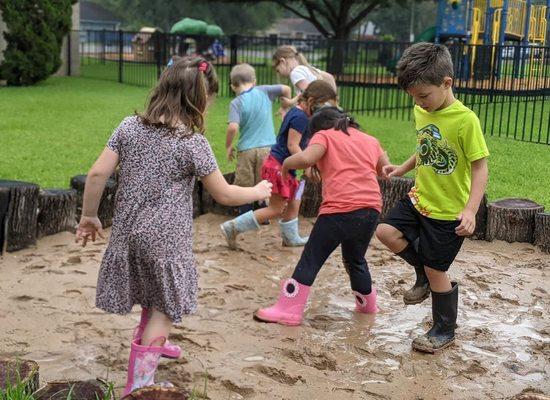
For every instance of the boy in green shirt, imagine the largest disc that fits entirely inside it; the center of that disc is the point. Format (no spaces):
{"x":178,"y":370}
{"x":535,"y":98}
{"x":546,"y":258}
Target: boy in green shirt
{"x":427,"y":227}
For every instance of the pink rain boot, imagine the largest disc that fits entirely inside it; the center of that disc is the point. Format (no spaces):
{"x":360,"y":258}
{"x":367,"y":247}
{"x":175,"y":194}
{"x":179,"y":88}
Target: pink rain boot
{"x":170,"y":350}
{"x":289,"y":309}
{"x":366,"y":303}
{"x":142,"y":365}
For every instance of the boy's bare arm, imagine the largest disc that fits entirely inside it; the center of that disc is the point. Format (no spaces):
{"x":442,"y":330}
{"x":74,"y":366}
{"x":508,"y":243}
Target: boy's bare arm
{"x":231,"y":132}
{"x":382,"y":162}
{"x":480,"y":175}
{"x":391,"y":170}
{"x":286,"y":92}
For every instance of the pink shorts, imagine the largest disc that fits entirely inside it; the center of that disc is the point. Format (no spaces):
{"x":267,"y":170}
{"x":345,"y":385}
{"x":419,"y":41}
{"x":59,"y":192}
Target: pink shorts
{"x":271,"y":171}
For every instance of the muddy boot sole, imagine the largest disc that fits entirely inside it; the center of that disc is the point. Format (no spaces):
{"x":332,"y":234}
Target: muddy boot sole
{"x":418,"y":300}
{"x":431,"y":350}
{"x":281,"y":322}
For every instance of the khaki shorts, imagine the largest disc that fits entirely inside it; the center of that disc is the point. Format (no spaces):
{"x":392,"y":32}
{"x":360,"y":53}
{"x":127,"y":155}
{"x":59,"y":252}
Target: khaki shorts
{"x":249,"y":166}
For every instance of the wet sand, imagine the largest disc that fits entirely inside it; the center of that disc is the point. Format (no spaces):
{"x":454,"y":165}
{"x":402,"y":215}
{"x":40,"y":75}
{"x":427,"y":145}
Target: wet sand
{"x":47,"y":314}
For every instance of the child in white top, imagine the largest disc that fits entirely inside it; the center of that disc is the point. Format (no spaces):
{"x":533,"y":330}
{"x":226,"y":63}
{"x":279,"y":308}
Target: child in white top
{"x":290,"y":63}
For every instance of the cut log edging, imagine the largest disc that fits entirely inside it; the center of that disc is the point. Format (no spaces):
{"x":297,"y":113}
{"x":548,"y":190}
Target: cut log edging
{"x":19,"y":372}
{"x":512,"y":220}
{"x":542,"y":231}
{"x":50,"y":211}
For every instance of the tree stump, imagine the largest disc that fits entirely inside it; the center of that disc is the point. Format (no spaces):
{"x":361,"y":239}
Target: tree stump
{"x":4,"y":205}
{"x":157,"y":393}
{"x":20,"y":214}
{"x":56,"y":211}
{"x":93,"y":389}
{"x":107,"y":204}
{"x":311,"y":199}
{"x":512,"y":220}
{"x":19,"y":372}
{"x":393,"y":190}
{"x":542,"y":231}
{"x":209,"y":205}
{"x":481,"y":220}
{"x":197,"y":198}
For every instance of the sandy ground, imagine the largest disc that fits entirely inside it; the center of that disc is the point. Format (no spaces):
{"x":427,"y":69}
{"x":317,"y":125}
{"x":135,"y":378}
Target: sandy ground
{"x":47,"y":314}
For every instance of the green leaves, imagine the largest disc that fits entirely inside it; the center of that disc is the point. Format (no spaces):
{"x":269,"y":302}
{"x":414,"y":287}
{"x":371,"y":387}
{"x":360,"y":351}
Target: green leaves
{"x":35,"y":31}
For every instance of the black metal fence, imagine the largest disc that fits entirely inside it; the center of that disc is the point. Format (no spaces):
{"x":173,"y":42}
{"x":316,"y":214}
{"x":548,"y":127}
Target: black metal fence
{"x":507,"y":86}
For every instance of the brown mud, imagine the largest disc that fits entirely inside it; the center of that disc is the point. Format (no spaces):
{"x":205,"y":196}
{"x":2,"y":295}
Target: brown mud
{"x":502,"y":350}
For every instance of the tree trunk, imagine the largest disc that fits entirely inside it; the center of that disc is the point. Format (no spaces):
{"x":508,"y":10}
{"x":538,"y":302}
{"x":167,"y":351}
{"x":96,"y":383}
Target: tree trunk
{"x":392,"y":191}
{"x":311,"y":199}
{"x":542,"y":231}
{"x":512,"y":220}
{"x":481,"y":220}
{"x":107,"y":204}
{"x":19,"y":221}
{"x":16,"y":371}
{"x":56,"y":211}
{"x":209,"y":205}
{"x":93,"y":389}
{"x":337,"y":56}
{"x":158,"y":393}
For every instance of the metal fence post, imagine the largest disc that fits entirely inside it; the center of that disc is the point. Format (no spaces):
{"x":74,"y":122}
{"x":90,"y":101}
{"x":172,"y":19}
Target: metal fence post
{"x":233,"y":43}
{"x":120,"y":54}
{"x":103,"y":45}
{"x":158,"y":52}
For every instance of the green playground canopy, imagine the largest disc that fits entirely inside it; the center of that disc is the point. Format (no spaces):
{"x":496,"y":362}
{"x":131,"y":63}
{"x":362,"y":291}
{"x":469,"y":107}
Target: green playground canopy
{"x":190,"y":26}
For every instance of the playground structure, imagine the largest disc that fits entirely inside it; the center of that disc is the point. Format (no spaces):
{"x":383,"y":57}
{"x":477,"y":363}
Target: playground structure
{"x":513,"y":28}
{"x":143,"y":44}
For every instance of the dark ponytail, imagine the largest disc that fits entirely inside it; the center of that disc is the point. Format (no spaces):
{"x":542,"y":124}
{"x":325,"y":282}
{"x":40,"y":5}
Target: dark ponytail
{"x":331,"y":118}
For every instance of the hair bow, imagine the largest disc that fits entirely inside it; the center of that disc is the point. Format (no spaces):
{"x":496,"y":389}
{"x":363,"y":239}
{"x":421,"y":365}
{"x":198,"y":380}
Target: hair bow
{"x":203,"y":66}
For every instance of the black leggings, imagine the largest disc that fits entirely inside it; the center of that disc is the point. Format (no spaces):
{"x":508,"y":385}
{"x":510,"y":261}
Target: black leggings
{"x":353,"y":230}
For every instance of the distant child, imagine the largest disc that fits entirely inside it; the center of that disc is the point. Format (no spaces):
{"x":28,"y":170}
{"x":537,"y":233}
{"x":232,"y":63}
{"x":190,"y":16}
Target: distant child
{"x":290,"y":63}
{"x":293,"y":138}
{"x":427,"y":227}
{"x":149,"y":260}
{"x":251,"y":117}
{"x":349,"y":162}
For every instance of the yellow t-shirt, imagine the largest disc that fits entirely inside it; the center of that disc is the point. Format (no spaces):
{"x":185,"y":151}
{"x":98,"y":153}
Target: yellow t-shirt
{"x":448,"y":141}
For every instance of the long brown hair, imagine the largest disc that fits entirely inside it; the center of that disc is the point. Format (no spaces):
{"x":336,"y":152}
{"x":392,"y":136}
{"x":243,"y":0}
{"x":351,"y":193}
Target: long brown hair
{"x":317,"y":93}
{"x":181,"y":94}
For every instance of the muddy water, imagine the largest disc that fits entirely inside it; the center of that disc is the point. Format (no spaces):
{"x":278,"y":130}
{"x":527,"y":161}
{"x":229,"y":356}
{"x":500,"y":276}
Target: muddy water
{"x":503,"y":346}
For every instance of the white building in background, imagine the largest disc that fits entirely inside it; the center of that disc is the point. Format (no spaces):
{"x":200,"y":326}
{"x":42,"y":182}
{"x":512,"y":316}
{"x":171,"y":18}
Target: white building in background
{"x":94,"y":17}
{"x":292,"y":28}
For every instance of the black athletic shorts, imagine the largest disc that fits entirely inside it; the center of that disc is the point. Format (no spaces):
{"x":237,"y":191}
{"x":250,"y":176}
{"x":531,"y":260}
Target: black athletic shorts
{"x":438,"y":244}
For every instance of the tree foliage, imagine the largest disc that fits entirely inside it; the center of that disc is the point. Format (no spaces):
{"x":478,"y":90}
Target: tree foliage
{"x":395,"y":20}
{"x":333,"y":18}
{"x":232,"y":18}
{"x":35,"y":31}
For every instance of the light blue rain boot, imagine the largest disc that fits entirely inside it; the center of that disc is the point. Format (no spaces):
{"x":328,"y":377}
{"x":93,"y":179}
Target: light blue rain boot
{"x":289,"y":233}
{"x":243,"y":223}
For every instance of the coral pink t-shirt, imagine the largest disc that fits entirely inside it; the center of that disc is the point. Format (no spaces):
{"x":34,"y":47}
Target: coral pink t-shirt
{"x":348,"y":171}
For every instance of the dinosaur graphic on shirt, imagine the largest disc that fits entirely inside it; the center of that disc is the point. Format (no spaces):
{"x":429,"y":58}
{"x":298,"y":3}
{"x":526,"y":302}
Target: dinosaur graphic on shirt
{"x":434,"y":151}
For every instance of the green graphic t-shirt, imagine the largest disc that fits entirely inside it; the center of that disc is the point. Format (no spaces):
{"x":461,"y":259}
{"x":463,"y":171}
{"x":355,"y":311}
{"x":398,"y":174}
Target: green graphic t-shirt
{"x":448,"y":141}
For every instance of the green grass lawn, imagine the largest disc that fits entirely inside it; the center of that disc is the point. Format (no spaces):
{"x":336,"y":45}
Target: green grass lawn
{"x":55,"y":130}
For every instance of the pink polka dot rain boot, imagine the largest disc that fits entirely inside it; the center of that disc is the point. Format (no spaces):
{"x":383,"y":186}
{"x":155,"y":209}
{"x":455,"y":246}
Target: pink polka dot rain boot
{"x":289,"y":309}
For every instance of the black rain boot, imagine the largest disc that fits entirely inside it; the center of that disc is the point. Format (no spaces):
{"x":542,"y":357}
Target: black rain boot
{"x":442,"y":333}
{"x":421,"y":289}
{"x":245,"y":208}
